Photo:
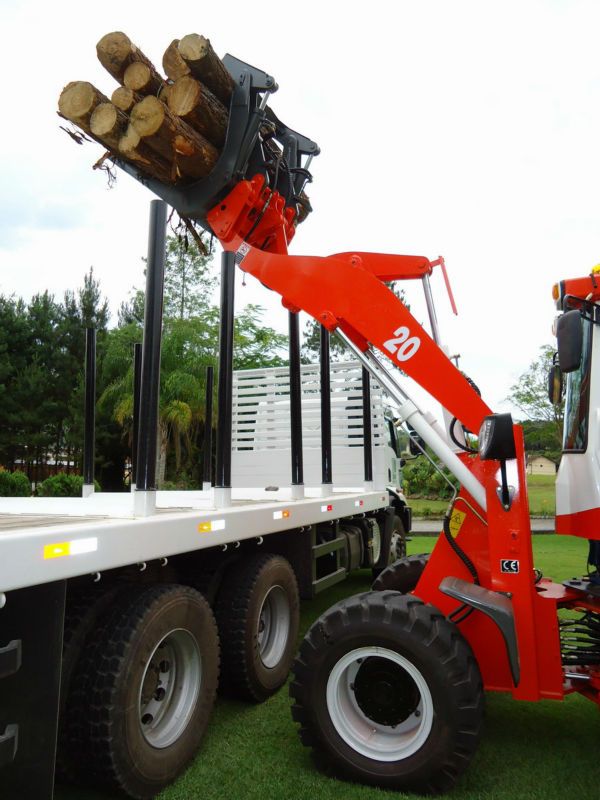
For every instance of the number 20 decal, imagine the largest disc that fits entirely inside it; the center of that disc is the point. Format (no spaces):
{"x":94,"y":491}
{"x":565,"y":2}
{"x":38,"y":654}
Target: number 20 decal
{"x":403,"y":346}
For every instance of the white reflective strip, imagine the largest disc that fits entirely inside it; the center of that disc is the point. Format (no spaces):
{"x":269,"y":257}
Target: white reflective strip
{"x":80,"y":546}
{"x":218,"y":525}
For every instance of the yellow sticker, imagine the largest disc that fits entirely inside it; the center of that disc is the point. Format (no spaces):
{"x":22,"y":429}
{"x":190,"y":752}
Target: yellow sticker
{"x":456,"y":521}
{"x":57,"y":550}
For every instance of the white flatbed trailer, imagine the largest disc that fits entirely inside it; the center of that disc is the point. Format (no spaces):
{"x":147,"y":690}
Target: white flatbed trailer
{"x":52,"y":539}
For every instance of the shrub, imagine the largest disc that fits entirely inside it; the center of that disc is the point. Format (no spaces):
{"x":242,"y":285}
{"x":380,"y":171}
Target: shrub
{"x":63,"y":485}
{"x":14,"y":484}
{"x":421,"y":479}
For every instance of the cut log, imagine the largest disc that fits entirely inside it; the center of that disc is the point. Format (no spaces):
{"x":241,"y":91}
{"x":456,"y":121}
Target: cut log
{"x":124,"y":99}
{"x":77,"y":102}
{"x":132,"y":148}
{"x":193,"y":155}
{"x":206,"y":65}
{"x":194,"y":103}
{"x":116,"y":52}
{"x":108,"y":124}
{"x":173,"y":64}
{"x":142,"y":79}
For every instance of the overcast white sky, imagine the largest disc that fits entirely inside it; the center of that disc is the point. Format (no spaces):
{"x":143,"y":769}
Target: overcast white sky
{"x":463,"y":128}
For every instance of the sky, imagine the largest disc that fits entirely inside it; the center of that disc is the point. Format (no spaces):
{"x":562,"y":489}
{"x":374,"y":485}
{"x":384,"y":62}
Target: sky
{"x":466,"y":129}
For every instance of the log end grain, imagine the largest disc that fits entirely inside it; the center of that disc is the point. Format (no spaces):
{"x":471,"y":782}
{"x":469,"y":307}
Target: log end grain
{"x":103,"y":119}
{"x":184,"y":95}
{"x":78,"y":100}
{"x":137,"y":76}
{"x":148,"y":115}
{"x":193,"y":47}
{"x":174,"y":65}
{"x":114,"y":50}
{"x":124,"y":98}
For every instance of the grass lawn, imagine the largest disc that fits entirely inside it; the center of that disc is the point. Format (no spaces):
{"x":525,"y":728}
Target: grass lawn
{"x":540,"y":490}
{"x":546,"y":750}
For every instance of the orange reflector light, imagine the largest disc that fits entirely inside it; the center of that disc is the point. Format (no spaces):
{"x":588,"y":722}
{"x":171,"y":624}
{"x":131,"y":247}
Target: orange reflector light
{"x":281,"y":514}
{"x":57,"y":550}
{"x":555,"y":292}
{"x":211,"y":525}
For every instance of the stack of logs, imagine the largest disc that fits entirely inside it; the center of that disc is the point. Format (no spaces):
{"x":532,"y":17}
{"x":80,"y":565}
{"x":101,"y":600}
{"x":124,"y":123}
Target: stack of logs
{"x":170,"y":128}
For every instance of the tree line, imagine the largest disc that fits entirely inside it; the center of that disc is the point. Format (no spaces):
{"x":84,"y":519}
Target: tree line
{"x":42,"y":350}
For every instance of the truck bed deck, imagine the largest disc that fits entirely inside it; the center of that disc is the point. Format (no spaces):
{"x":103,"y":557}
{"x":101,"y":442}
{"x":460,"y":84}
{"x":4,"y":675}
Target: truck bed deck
{"x":48,"y":539}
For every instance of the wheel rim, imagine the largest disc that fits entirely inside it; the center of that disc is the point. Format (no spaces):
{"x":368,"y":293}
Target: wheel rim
{"x":273,"y":628}
{"x":376,"y":544}
{"x":379,"y":703}
{"x":169,"y":688}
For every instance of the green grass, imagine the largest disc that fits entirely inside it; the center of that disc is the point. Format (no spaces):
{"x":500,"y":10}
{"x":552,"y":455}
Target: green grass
{"x":540,"y":490}
{"x":529,"y":751}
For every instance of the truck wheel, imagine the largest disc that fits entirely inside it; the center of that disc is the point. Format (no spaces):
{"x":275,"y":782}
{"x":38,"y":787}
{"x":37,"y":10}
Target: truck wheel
{"x":403,"y":575}
{"x":155,"y":672}
{"x":389,"y":693}
{"x":396,"y":549}
{"x":258,"y":613}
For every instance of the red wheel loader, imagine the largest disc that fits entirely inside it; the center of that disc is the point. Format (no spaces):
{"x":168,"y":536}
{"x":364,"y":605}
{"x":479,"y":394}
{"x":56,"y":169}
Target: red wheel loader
{"x":389,"y":686}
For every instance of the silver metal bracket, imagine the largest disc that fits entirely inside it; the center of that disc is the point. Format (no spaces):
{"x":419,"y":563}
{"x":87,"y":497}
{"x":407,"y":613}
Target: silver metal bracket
{"x":495,"y":605}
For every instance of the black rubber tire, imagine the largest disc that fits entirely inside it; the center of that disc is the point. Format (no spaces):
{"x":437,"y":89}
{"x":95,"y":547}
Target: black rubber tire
{"x":239,"y":603}
{"x":397,"y":547}
{"x":83,"y":615}
{"x":122,"y":757}
{"x":401,"y":576}
{"x":435,"y":647}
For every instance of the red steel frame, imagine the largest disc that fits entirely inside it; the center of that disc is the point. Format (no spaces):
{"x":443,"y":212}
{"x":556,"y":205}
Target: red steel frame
{"x":348,"y":291}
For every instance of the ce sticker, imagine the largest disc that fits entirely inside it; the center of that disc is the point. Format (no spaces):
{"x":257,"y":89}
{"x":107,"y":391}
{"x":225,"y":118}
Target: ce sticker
{"x":509,"y":565}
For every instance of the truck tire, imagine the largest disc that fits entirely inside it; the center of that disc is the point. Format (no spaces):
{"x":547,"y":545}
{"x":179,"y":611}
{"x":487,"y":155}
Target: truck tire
{"x":82,"y":617}
{"x":403,"y":575}
{"x":258,"y":613}
{"x":388,"y":692}
{"x":396,"y":549}
{"x":154,"y":674}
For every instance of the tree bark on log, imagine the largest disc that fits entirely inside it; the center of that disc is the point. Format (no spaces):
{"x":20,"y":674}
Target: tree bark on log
{"x":133,"y":149}
{"x":116,"y":52}
{"x":194,"y":103}
{"x":124,"y":99}
{"x":174,"y":66}
{"x":192,"y":155}
{"x":206,"y":65}
{"x":142,"y":79}
{"x":77,"y":102}
{"x":108,"y":123}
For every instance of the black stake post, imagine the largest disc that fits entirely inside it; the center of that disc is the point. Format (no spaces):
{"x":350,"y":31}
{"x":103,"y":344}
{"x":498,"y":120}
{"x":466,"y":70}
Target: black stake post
{"x":150,"y":380}
{"x":295,"y":401}
{"x":225,"y":383}
{"x":326,"y":468}
{"x":89,"y":412}
{"x":137,"y":387}
{"x":208,"y":415}
{"x":367,"y":433}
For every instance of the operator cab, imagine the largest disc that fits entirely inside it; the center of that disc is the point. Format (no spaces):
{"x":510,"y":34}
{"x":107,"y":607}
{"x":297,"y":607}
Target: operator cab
{"x":578,"y":479}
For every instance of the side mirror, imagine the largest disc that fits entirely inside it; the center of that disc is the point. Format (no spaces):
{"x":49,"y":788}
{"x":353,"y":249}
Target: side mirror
{"x":555,"y":385}
{"x":569,"y":337}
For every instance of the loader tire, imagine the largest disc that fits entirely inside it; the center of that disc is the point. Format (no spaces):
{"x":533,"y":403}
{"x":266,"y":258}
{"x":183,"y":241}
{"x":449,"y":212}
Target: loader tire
{"x":258,"y":614}
{"x":153,"y":679}
{"x":403,"y":575}
{"x":387,"y":692}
